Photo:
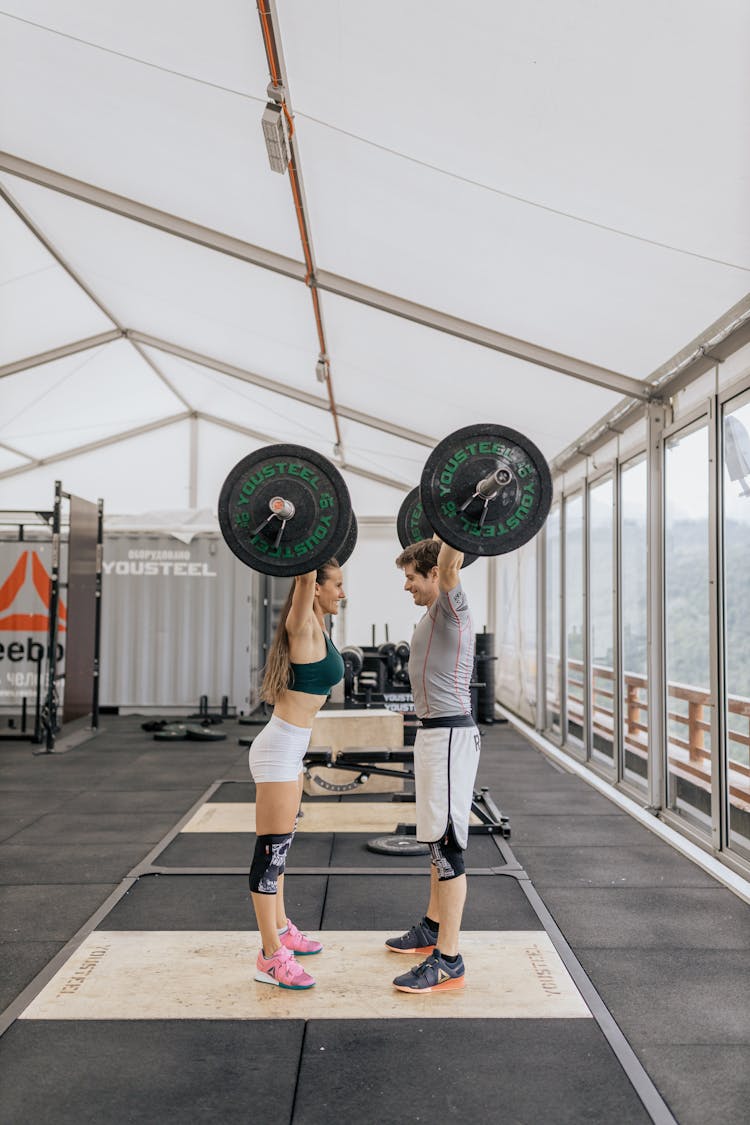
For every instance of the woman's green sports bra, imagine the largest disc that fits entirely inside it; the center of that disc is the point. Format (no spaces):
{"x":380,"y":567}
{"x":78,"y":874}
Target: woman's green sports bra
{"x":318,"y":677}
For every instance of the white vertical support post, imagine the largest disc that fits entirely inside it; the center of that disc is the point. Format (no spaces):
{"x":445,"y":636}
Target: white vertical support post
{"x":492,"y":605}
{"x":563,"y":674}
{"x":540,"y":713}
{"x":657,"y":719}
{"x":618,"y":749}
{"x":716,"y":619}
{"x":588,"y":731}
{"x":492,"y":594}
{"x":193,"y":476}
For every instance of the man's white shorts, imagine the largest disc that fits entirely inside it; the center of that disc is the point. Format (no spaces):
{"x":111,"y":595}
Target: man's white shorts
{"x":445,"y":768}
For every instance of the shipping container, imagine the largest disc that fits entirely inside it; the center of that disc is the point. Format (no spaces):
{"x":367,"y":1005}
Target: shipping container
{"x":176,"y":623}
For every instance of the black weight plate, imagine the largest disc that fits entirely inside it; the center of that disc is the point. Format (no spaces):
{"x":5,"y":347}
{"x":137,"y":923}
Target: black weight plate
{"x":350,"y":542}
{"x":412,"y":524}
{"x":397,"y":845}
{"x":322,"y":510}
{"x":459,"y":463}
{"x":170,"y":734}
{"x":354,"y":655}
{"x":204,"y":734}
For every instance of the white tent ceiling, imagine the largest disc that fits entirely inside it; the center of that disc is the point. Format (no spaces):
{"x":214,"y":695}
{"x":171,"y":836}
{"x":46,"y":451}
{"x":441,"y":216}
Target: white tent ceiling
{"x":564,"y":184}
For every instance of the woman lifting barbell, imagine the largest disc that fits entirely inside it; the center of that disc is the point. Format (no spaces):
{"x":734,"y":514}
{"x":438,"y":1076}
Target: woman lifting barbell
{"x":303,"y":665}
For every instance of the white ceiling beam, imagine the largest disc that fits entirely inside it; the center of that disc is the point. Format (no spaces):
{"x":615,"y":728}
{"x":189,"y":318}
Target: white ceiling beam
{"x":90,"y":447}
{"x":152,"y":217}
{"x":52,"y":250}
{"x":268,"y":439}
{"x":281,"y":388}
{"x":158,"y":373}
{"x":65,"y":265}
{"x":328,"y":282}
{"x":484,"y":337}
{"x":237,"y":428}
{"x":139,"y":340}
{"x":714,"y":345}
{"x":368,"y":474}
{"x":15,"y":452}
{"x":60,"y":352}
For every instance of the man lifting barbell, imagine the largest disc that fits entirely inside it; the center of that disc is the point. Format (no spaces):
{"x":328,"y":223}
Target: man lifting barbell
{"x":446,"y":757}
{"x":485,"y":490}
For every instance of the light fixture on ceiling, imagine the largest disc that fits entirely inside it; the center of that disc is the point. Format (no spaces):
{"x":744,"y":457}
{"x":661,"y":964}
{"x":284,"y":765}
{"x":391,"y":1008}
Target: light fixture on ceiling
{"x":276,"y":130}
{"x":321,"y":368}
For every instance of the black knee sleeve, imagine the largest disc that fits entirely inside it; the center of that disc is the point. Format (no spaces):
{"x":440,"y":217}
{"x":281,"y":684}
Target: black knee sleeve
{"x":447,"y":856}
{"x":269,"y":861}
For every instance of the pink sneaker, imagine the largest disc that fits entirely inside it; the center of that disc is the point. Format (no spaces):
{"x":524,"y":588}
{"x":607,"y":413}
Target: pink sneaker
{"x":297,"y":942}
{"x":282,"y":970}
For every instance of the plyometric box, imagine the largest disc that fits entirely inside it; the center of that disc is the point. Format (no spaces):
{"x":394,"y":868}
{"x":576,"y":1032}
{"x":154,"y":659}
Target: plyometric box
{"x":349,"y":730}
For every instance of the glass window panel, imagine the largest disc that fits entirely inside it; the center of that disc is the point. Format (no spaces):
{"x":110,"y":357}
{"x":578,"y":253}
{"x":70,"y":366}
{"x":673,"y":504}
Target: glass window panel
{"x":527,"y":557}
{"x":602,"y":639}
{"x":686,"y":577}
{"x":736,"y":532}
{"x":634,"y":602}
{"x":552,"y":600}
{"x":573,"y":667}
{"x":515,"y":673}
{"x":507,"y":672}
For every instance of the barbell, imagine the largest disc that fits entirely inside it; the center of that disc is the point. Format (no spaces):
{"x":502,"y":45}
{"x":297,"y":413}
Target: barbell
{"x":485,"y":490}
{"x":285,"y":510}
{"x":412,"y":524}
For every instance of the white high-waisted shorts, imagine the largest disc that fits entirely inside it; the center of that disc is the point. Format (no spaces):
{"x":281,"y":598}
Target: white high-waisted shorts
{"x":277,"y":752}
{"x":445,"y":768}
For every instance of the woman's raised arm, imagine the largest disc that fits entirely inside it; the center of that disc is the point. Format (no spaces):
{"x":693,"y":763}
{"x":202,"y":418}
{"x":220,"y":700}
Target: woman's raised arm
{"x":302,"y":602}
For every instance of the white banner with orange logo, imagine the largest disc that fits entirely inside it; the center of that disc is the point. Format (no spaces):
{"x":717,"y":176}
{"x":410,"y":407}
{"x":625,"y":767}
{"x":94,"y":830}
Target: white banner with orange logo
{"x":24,"y":618}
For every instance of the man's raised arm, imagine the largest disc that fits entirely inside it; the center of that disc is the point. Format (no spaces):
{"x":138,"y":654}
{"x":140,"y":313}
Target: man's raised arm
{"x":449,"y":566}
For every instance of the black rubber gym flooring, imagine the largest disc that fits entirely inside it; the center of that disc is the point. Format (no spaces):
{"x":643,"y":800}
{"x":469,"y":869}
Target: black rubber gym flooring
{"x":664,"y":944}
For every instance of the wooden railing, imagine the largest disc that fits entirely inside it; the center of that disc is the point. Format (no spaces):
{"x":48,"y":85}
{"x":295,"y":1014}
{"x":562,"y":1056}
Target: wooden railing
{"x":689,"y":750}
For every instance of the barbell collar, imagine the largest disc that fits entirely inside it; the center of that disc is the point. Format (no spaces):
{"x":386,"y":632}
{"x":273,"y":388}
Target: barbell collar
{"x":281,"y":508}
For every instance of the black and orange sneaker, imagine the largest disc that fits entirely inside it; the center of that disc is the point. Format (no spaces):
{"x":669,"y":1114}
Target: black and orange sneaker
{"x":435,"y":974}
{"x":419,"y":939}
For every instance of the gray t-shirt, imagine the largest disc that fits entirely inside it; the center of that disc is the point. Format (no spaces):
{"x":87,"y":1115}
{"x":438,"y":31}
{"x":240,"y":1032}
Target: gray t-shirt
{"x":442,"y":658}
